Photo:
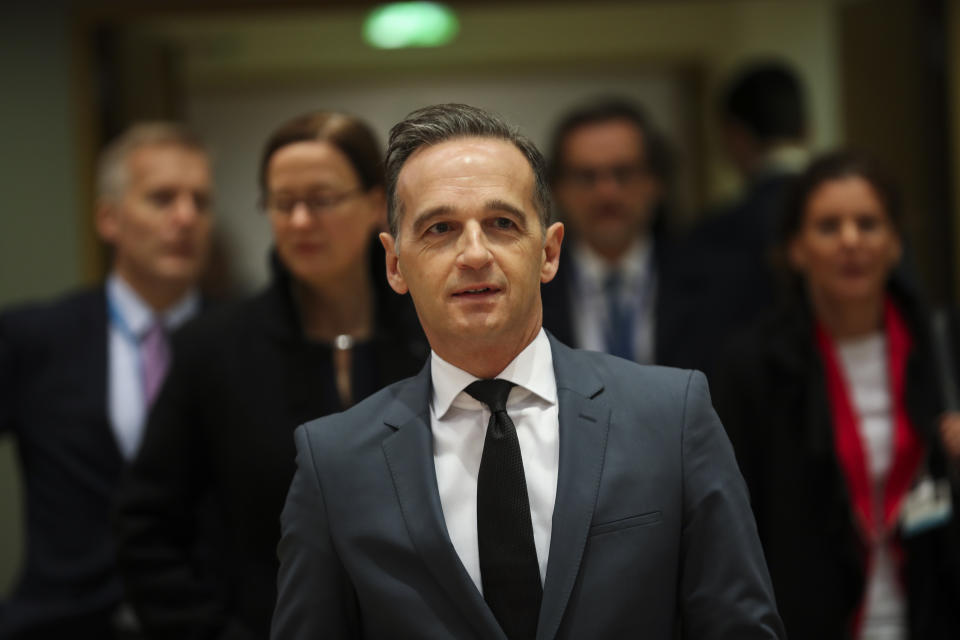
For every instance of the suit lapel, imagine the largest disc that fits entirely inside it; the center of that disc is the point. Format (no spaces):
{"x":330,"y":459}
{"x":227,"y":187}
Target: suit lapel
{"x":584,"y":423}
{"x":96,"y":378}
{"x":409,"y":456}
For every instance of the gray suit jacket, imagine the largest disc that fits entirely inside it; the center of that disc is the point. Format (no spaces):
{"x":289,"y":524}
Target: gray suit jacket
{"x":652,"y":537}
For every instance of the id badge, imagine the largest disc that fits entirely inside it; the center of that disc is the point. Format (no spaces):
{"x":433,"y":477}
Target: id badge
{"x":928,"y":505}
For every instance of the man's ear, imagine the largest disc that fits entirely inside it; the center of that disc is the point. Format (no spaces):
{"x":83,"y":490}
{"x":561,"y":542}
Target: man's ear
{"x":106,"y":221}
{"x":551,"y":252}
{"x":394,"y":277}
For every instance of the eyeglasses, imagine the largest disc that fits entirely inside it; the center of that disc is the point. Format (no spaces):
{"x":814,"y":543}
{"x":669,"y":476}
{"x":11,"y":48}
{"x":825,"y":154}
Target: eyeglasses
{"x":316,"y":203}
{"x":625,"y":175}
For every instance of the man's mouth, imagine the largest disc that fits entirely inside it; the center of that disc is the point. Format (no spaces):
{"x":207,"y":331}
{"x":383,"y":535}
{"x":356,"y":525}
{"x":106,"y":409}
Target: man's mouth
{"x":181,"y":250}
{"x":608,"y":210}
{"x":476,"y":291}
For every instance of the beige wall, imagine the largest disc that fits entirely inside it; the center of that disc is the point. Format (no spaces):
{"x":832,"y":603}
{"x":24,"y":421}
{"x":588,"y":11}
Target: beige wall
{"x":39,"y":236}
{"x":300,"y":49}
{"x":38,"y":225}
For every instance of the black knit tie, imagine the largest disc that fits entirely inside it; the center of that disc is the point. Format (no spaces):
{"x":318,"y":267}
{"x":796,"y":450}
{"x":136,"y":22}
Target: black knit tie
{"x":508,"y":557}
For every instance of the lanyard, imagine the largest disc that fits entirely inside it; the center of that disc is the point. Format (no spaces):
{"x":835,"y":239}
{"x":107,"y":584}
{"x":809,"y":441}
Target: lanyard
{"x":117,"y":320}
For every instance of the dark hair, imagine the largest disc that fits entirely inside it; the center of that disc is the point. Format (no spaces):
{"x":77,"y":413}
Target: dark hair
{"x":350,"y":135}
{"x":442,"y":122}
{"x":836,"y":166}
{"x":655,"y":150}
{"x":767,"y":98}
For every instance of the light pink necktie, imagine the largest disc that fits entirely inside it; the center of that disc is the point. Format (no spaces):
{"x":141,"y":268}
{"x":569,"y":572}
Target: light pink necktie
{"x":155,"y":359}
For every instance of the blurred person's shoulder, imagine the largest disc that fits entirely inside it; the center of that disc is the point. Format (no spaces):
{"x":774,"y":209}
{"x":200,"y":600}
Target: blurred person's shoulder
{"x":222,"y":321}
{"x":779,"y":339}
{"x":361,"y":427}
{"x":58,"y":317}
{"x":750,"y":215}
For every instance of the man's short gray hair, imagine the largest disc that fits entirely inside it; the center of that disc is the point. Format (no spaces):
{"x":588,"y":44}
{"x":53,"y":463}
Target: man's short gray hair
{"x":442,"y":122}
{"x":112,"y":170}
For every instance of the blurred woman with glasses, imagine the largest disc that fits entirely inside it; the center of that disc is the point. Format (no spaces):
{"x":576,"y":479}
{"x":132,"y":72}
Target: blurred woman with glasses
{"x":199,"y":514}
{"x":833,"y":407}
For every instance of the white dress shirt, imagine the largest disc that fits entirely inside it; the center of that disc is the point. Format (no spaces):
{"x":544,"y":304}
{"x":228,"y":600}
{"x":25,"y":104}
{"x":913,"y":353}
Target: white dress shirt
{"x":129,"y":318}
{"x":638,"y":293}
{"x":864,"y":362}
{"x":459,"y":425}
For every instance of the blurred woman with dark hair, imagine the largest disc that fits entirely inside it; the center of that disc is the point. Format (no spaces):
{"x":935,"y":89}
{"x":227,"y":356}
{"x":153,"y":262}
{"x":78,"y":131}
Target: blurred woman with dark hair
{"x":324,"y":334}
{"x":833,"y":408}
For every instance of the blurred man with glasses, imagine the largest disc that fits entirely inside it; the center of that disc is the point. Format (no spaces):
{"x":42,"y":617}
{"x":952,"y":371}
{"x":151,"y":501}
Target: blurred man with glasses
{"x":609,"y":171}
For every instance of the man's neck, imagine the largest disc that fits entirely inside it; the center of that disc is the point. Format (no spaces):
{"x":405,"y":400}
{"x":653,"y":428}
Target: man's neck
{"x":781,"y":157}
{"x":596,"y":264}
{"x":610,"y":255}
{"x":159,"y":294}
{"x":486,"y":358}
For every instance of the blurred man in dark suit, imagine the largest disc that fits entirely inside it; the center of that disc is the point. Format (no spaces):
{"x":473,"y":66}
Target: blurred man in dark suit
{"x":726,"y":270}
{"x":609,"y":172}
{"x":78,"y":375}
{"x":764,"y":125}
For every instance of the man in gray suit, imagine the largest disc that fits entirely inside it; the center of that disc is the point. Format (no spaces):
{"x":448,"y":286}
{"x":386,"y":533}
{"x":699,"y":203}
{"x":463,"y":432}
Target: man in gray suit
{"x":515,"y":488}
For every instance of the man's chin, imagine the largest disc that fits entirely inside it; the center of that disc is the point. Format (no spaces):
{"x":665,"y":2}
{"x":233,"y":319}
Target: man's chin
{"x":179,"y":272}
{"x":612,"y":240}
{"x":478,"y":329}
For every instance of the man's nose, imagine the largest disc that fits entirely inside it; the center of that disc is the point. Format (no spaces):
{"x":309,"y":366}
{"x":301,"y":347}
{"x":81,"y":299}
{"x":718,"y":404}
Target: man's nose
{"x":474,"y":250}
{"x":186,"y":211}
{"x":607,"y":183}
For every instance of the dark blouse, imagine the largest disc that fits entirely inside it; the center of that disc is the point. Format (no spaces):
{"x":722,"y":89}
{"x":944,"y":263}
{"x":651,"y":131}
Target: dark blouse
{"x":199,"y":512}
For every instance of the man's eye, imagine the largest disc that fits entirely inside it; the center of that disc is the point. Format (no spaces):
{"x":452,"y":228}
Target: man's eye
{"x":581,"y":177}
{"x":438,"y":227}
{"x":202,"y":202}
{"x":162,"y":198}
{"x":320,"y":202}
{"x":504,"y":223}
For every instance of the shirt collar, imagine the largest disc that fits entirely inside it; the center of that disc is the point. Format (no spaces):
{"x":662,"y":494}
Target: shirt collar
{"x":138,"y":315}
{"x":593,"y":269}
{"x":532,"y":370}
{"x":785,"y":158}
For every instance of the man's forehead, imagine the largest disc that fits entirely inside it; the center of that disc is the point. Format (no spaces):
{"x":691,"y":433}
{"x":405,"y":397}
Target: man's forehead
{"x":466,"y":149}
{"x":604,"y":137}
{"x":465,"y":162}
{"x":164,"y":152}
{"x":157,"y":159}
{"x":469,"y":155}
{"x":465,"y":173}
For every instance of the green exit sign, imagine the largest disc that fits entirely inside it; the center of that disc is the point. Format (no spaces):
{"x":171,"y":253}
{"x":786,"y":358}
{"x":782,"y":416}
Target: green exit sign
{"x":410,"y":24}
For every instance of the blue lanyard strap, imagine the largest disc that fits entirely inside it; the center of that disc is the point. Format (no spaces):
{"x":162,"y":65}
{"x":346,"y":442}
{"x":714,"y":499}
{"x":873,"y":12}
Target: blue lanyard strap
{"x":117,"y":320}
